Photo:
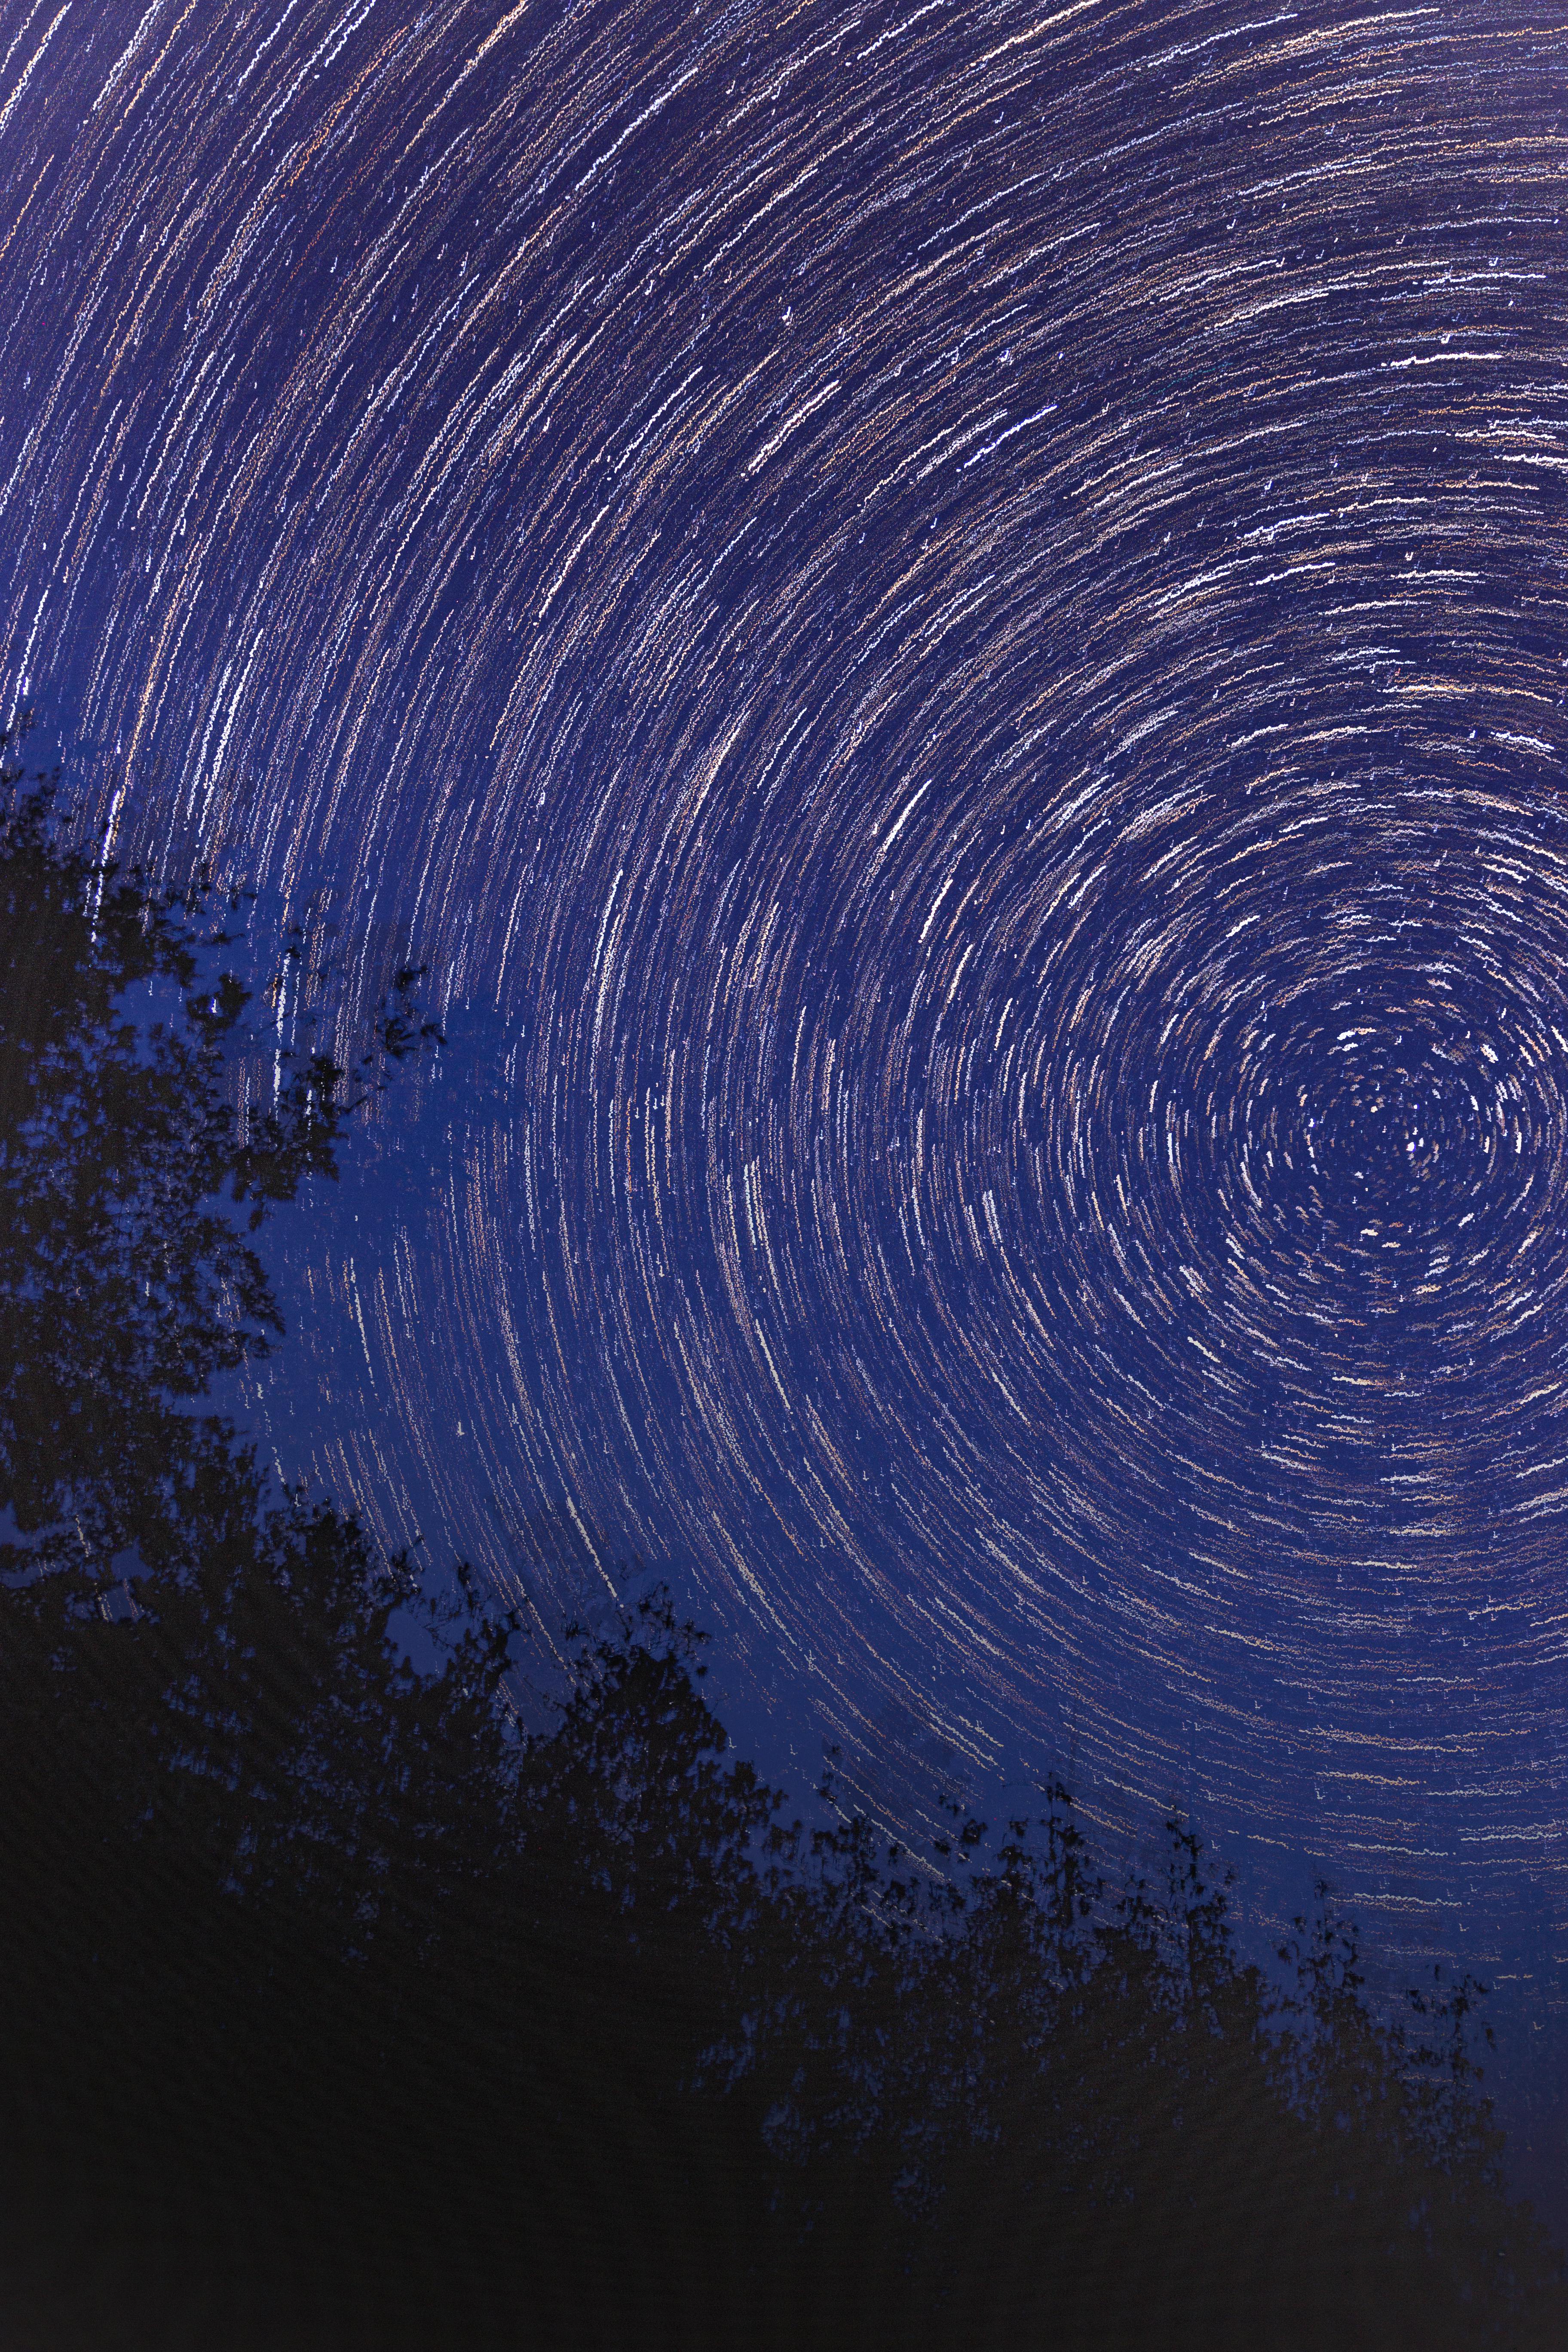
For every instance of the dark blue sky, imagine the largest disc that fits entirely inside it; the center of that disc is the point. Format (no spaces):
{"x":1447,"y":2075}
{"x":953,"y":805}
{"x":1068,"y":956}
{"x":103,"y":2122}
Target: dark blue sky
{"x":946,"y":626}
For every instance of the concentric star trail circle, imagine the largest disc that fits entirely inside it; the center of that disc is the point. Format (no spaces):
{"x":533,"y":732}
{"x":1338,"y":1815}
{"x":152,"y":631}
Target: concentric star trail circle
{"x":948,"y":623}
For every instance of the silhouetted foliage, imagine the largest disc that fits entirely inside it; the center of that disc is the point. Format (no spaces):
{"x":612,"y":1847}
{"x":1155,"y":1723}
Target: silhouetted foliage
{"x":1096,"y":2123}
{"x":126,"y":1280}
{"x":340,"y":2010}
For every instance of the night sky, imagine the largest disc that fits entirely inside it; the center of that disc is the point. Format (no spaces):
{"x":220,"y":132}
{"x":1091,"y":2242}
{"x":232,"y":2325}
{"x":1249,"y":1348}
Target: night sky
{"x":948,"y":625}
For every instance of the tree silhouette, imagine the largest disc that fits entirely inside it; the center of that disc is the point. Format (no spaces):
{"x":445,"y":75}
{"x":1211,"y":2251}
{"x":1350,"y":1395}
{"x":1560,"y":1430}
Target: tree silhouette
{"x":1081,"y":2117}
{"x":342,"y":2009}
{"x":127,"y":1281}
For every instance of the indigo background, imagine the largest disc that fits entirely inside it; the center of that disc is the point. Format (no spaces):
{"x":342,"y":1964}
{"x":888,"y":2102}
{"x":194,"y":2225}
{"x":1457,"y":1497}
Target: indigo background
{"x":946,"y":626}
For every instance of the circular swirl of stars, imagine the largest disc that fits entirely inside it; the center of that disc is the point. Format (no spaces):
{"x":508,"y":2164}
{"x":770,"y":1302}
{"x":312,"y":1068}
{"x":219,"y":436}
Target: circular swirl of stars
{"x":950,"y":621}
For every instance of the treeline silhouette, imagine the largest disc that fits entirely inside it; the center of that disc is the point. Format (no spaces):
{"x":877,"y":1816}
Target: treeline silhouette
{"x":337,"y":2009}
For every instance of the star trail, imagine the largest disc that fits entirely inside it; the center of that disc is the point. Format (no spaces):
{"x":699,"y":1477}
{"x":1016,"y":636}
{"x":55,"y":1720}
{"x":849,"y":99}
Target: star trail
{"x":947,"y":625}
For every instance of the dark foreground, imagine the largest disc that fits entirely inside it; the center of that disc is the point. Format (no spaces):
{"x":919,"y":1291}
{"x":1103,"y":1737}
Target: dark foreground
{"x":338,"y":2011}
